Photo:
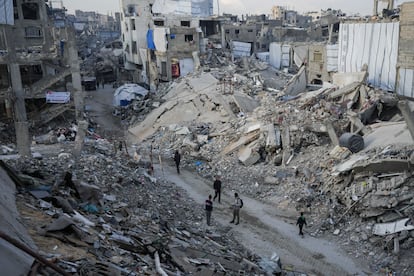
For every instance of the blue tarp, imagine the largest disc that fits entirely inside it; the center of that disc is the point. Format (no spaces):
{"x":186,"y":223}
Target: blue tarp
{"x":6,"y":12}
{"x":150,"y":40}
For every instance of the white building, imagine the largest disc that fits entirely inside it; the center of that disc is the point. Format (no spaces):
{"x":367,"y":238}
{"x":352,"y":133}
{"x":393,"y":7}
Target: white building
{"x":160,"y":36}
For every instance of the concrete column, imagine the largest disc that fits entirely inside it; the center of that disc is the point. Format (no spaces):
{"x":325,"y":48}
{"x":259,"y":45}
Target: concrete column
{"x":20,"y":116}
{"x":78,"y":94}
{"x":332,"y":133}
{"x":408,"y":116}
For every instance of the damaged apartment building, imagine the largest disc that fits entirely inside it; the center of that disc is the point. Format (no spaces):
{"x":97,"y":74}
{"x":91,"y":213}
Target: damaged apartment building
{"x":36,"y":59}
{"x":162,"y":39}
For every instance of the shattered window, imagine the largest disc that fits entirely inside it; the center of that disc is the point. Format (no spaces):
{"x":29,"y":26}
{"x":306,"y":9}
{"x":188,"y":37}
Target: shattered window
{"x":33,"y":32}
{"x":30,"y":11}
{"x":158,"y":22}
{"x":236,"y":31}
{"x":250,"y":31}
{"x":4,"y":76}
{"x":185,"y":23}
{"x":131,"y":9}
{"x":15,"y":11}
{"x":134,"y":47}
{"x":188,"y":38}
{"x":133,"y":24}
{"x":227,"y":31}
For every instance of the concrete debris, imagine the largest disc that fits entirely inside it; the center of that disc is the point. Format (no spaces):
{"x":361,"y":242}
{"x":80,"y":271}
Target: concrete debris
{"x":296,"y":148}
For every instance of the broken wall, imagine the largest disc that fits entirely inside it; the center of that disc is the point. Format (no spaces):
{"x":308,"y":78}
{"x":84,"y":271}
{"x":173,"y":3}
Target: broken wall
{"x":374,"y":44}
{"x":317,"y":64}
{"x":405,"y":85}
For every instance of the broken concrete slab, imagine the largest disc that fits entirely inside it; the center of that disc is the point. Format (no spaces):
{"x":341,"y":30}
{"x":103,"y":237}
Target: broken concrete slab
{"x":349,"y":88}
{"x":239,"y":143}
{"x":385,"y":134}
{"x":273,"y":139}
{"x":383,"y":229}
{"x":344,"y":79}
{"x":385,"y":166}
{"x":297,"y":84}
{"x":245,"y":103}
{"x":248,"y":156}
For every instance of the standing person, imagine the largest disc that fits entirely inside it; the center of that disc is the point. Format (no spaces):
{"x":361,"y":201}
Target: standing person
{"x":209,"y":209}
{"x":301,"y":221}
{"x":177,"y":160}
{"x":217,"y":188}
{"x":236,"y":209}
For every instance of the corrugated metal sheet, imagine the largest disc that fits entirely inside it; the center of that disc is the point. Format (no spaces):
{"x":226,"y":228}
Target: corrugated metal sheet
{"x":241,"y":49}
{"x":275,"y":52}
{"x":279,"y":55}
{"x":332,"y":57}
{"x":186,"y":66}
{"x":374,"y":44}
{"x":286,"y":55}
{"x":6,"y":12}
{"x":406,"y":82}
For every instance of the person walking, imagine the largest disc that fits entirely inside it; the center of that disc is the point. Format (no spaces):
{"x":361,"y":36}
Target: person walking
{"x":217,"y":188}
{"x":209,"y":209}
{"x":236,"y":209}
{"x":177,"y":160}
{"x":301,"y":221}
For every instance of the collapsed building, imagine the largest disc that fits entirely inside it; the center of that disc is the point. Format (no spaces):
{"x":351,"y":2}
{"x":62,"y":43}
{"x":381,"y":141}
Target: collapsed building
{"x":329,"y":140}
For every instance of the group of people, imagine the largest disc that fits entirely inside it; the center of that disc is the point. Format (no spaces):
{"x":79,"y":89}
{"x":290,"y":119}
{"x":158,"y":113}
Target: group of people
{"x":237,"y":203}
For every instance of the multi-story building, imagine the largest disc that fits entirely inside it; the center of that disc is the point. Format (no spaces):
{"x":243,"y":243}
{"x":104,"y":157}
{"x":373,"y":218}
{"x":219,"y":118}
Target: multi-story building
{"x":161,"y":37}
{"x":33,"y":58}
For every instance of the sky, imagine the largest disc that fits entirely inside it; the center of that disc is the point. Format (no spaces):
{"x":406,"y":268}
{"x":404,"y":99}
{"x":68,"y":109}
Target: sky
{"x":363,"y":7}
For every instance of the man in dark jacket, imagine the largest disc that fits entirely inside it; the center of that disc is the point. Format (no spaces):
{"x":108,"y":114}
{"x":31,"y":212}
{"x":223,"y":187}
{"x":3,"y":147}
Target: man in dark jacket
{"x":177,"y":160}
{"x":217,"y":188}
{"x":209,"y":209}
{"x":301,"y":221}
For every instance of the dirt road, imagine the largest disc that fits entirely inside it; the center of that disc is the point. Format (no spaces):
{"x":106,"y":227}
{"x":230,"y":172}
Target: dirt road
{"x":260,"y":229}
{"x":264,"y":233}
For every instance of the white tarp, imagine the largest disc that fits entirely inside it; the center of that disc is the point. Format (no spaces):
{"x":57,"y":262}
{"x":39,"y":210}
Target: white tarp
{"x":186,"y":66}
{"x":300,"y":54}
{"x":332,"y":57}
{"x":241,"y":49}
{"x":6,"y":12}
{"x":160,"y":39}
{"x":374,"y":44}
{"x":406,"y":82}
{"x":128,"y":92}
{"x":275,"y":52}
{"x":171,"y":6}
{"x":57,"y":97}
{"x":202,"y":7}
{"x":184,"y":7}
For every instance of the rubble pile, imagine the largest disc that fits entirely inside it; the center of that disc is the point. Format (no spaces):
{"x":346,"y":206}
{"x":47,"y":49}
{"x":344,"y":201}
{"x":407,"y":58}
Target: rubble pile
{"x":302,"y":152}
{"x":104,"y":214}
